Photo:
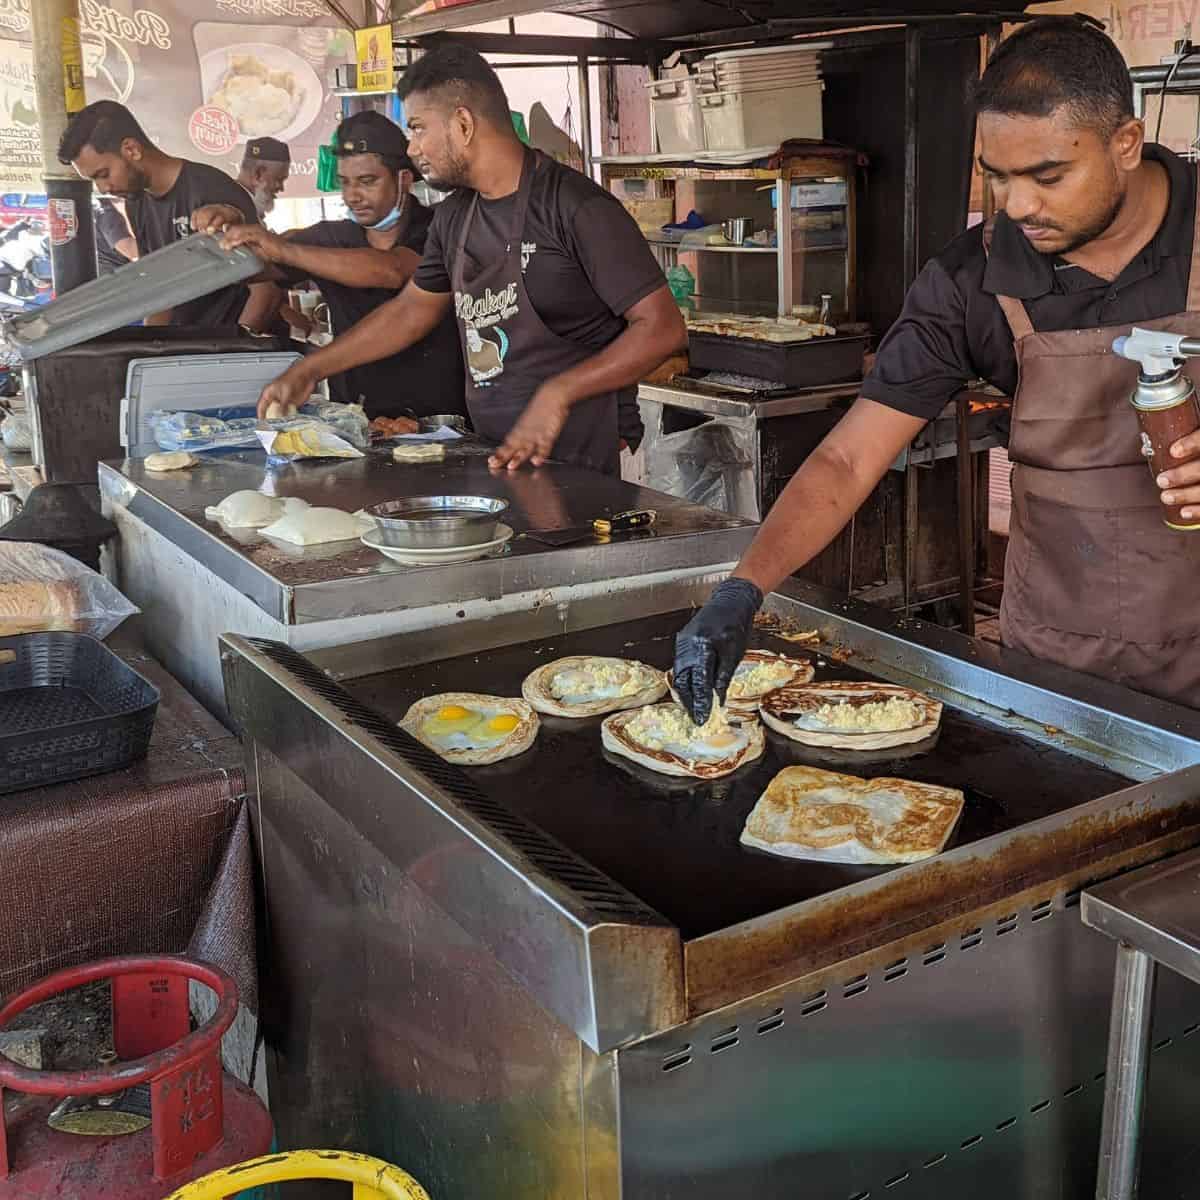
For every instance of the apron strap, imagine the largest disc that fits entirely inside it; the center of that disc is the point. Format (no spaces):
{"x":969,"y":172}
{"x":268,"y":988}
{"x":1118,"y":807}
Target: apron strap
{"x":1016,"y":316}
{"x":1193,"y":292}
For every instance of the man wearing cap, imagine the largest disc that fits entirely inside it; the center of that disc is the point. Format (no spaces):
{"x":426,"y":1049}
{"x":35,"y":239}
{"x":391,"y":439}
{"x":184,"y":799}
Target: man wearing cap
{"x":265,"y":168}
{"x":362,"y":262}
{"x":560,"y":305}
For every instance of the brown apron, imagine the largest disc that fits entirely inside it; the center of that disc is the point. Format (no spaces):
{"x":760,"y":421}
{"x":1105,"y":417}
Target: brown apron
{"x":1094,"y":580}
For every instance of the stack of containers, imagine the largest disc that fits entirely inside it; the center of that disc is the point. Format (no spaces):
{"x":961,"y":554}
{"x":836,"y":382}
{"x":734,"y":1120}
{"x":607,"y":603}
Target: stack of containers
{"x":678,"y":120}
{"x":761,"y":97}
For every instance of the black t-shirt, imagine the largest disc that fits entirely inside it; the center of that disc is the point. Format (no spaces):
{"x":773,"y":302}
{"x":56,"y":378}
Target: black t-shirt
{"x":426,"y":378}
{"x":159,"y":221}
{"x":111,"y":228}
{"x":585,"y":261}
{"x":952,"y":331}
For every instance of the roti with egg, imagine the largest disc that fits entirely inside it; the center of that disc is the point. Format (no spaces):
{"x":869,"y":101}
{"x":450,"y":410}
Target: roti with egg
{"x":829,"y":817}
{"x":586,"y":685}
{"x":758,"y":674}
{"x":663,"y":738}
{"x":849,"y":715}
{"x":470,"y":729}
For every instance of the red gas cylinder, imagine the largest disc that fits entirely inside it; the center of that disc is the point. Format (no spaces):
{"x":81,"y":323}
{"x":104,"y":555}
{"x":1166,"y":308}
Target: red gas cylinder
{"x":199,"y":1118}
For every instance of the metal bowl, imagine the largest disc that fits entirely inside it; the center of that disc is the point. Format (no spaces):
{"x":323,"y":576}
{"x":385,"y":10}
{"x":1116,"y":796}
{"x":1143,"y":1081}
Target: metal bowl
{"x":438,"y":522}
{"x":434,"y":423}
{"x":737,"y":229}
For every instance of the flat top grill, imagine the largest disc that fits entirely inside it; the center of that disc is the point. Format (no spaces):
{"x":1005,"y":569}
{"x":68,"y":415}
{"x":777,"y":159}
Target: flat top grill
{"x":674,"y":843}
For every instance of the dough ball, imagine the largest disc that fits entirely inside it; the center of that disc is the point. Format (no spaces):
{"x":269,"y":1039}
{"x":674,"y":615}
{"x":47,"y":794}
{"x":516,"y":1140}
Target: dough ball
{"x":315,"y":527}
{"x":429,"y":452}
{"x":176,"y":460}
{"x":252,"y":510}
{"x":279,"y":412}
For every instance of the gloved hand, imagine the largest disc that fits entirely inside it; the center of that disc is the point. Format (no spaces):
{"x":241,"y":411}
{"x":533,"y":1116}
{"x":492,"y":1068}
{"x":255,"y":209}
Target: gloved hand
{"x":709,"y":648}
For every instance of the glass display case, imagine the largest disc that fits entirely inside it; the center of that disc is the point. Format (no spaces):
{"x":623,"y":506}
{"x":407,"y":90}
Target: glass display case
{"x":782,"y":259}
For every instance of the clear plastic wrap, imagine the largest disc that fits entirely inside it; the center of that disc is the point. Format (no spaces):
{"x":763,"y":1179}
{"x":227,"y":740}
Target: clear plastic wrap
{"x":17,"y":432}
{"x":238,"y":428}
{"x":45,"y":589}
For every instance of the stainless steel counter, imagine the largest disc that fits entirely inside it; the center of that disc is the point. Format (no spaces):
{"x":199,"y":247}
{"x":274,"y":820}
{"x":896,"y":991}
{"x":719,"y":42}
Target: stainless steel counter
{"x":196,"y":580}
{"x":539,"y":946}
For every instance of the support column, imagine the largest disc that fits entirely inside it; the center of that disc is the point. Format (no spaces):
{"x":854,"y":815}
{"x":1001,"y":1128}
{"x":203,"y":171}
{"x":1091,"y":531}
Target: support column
{"x":59,"y":77}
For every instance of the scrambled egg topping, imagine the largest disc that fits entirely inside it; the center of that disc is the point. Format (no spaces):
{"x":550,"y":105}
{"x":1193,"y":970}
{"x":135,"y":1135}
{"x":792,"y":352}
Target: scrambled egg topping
{"x":620,"y":679}
{"x":668,"y":727}
{"x":759,"y":679}
{"x":879,"y":717}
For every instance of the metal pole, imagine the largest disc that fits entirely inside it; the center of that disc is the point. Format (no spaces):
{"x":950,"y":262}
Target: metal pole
{"x":1125,"y":1081}
{"x":585,"y":114}
{"x":59,"y":79}
{"x":966,"y":517}
{"x":912,"y":162}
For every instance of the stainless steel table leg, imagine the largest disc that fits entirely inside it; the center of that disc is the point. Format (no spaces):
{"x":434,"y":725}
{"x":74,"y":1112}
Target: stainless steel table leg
{"x":1125,"y":1082}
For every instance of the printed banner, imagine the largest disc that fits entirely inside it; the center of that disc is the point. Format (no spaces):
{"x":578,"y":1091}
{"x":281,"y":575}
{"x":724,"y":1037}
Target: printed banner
{"x":376,"y":69}
{"x":202,"y":76}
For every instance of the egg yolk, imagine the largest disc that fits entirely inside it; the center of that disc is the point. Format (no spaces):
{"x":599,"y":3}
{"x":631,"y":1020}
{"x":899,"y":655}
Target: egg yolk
{"x":453,"y":712}
{"x":503,"y":723}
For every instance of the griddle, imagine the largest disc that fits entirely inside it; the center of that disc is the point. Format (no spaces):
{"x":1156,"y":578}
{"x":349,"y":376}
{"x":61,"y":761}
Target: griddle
{"x":675,"y":843}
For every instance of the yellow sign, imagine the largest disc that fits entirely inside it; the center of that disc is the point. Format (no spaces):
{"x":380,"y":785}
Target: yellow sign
{"x":375,"y":64}
{"x":72,"y":64}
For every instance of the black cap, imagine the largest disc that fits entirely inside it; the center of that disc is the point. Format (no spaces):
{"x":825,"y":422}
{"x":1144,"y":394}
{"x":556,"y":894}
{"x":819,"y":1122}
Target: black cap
{"x":268,"y":149}
{"x":373,"y":133}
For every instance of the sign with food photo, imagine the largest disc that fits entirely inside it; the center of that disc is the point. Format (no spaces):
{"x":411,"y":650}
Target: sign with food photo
{"x":203,"y":77}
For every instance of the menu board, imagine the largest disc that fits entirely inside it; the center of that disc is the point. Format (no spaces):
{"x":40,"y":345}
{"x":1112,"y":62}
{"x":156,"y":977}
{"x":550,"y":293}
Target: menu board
{"x":202,"y":76}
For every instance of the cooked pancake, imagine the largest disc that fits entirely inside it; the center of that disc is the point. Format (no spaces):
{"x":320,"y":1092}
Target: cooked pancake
{"x":586,"y":685}
{"x":823,"y":815}
{"x":663,"y":738}
{"x":470,"y":729}
{"x":758,"y":674}
{"x":850,"y":715}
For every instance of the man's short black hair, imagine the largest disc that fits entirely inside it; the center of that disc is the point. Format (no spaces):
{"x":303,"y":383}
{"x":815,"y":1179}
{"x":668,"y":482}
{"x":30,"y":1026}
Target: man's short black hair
{"x":464,"y":78}
{"x":1059,"y":62}
{"x":103,"y":125}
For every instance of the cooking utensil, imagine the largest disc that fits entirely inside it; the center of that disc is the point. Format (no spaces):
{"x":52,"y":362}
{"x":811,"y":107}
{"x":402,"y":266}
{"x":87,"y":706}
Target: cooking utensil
{"x":737,"y":229}
{"x":434,"y":423}
{"x":602,"y":527}
{"x":438,"y":522}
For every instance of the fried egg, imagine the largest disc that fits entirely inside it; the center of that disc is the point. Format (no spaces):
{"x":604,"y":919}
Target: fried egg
{"x":454,"y":727}
{"x":599,"y":679}
{"x":884,"y":716}
{"x":669,"y":728}
{"x":757,"y":678}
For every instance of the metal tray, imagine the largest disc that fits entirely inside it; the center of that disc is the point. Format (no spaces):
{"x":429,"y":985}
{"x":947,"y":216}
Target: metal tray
{"x":69,"y":707}
{"x":797,"y":364}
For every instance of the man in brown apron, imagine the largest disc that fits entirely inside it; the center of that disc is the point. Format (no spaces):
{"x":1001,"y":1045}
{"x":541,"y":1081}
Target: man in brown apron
{"x":560,"y":305}
{"x":1097,"y":232}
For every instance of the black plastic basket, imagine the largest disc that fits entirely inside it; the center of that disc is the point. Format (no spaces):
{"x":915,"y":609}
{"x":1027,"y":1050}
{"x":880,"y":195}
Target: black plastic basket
{"x":69,"y":707}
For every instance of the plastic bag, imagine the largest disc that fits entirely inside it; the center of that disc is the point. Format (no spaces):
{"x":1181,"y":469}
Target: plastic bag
{"x":17,"y":432}
{"x":304,"y":438}
{"x":238,"y":428}
{"x":45,"y":589}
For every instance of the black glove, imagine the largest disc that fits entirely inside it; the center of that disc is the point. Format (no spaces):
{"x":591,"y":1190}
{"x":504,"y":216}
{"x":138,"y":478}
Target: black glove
{"x":710,"y":647}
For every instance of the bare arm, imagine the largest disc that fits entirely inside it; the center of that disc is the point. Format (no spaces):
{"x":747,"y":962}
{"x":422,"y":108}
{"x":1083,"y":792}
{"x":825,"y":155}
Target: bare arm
{"x":654,"y":331}
{"x":261,"y":306}
{"x":827,"y":491}
{"x":127,"y":247}
{"x":394,"y":326}
{"x":360,"y":268}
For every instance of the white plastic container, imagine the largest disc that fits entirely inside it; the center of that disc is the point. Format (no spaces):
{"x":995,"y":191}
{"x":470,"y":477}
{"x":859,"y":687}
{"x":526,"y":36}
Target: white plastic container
{"x":677,"y":117}
{"x":766,"y":116}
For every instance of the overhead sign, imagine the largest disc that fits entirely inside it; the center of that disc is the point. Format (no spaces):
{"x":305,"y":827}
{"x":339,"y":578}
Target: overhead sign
{"x":202,"y":76}
{"x":376,"y":66}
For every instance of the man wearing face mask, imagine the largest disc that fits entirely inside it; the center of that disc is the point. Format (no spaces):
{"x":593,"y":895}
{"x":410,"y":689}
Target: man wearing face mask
{"x":361,"y":263}
{"x":266,"y":166}
{"x":559,"y":304}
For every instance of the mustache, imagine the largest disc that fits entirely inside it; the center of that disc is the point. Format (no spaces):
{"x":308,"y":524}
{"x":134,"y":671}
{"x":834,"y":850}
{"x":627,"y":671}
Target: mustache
{"x":1040,"y":225}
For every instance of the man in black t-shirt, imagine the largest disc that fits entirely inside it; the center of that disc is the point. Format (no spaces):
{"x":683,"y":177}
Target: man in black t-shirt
{"x":361,"y":263}
{"x":105,"y":143}
{"x":560,"y":305}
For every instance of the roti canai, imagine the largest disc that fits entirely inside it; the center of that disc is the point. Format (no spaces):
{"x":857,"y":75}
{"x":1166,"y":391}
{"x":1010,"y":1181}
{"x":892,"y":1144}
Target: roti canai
{"x":758,"y":674}
{"x":471,"y":729}
{"x":850,"y":715}
{"x":829,"y":817}
{"x":662,"y":737}
{"x":585,"y":685}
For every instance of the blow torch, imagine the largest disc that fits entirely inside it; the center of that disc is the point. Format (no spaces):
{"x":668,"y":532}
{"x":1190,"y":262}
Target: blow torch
{"x":1165,"y":400}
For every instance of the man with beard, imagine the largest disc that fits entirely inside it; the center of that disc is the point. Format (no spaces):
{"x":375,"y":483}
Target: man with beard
{"x":266,"y":166}
{"x":559,"y":304}
{"x":105,"y":143}
{"x":361,"y":263}
{"x":1096,"y":232}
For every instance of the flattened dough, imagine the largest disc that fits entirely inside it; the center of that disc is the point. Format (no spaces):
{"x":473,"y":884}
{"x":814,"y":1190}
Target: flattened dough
{"x":316,"y":527}
{"x":174,"y":460}
{"x":423,"y":452}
